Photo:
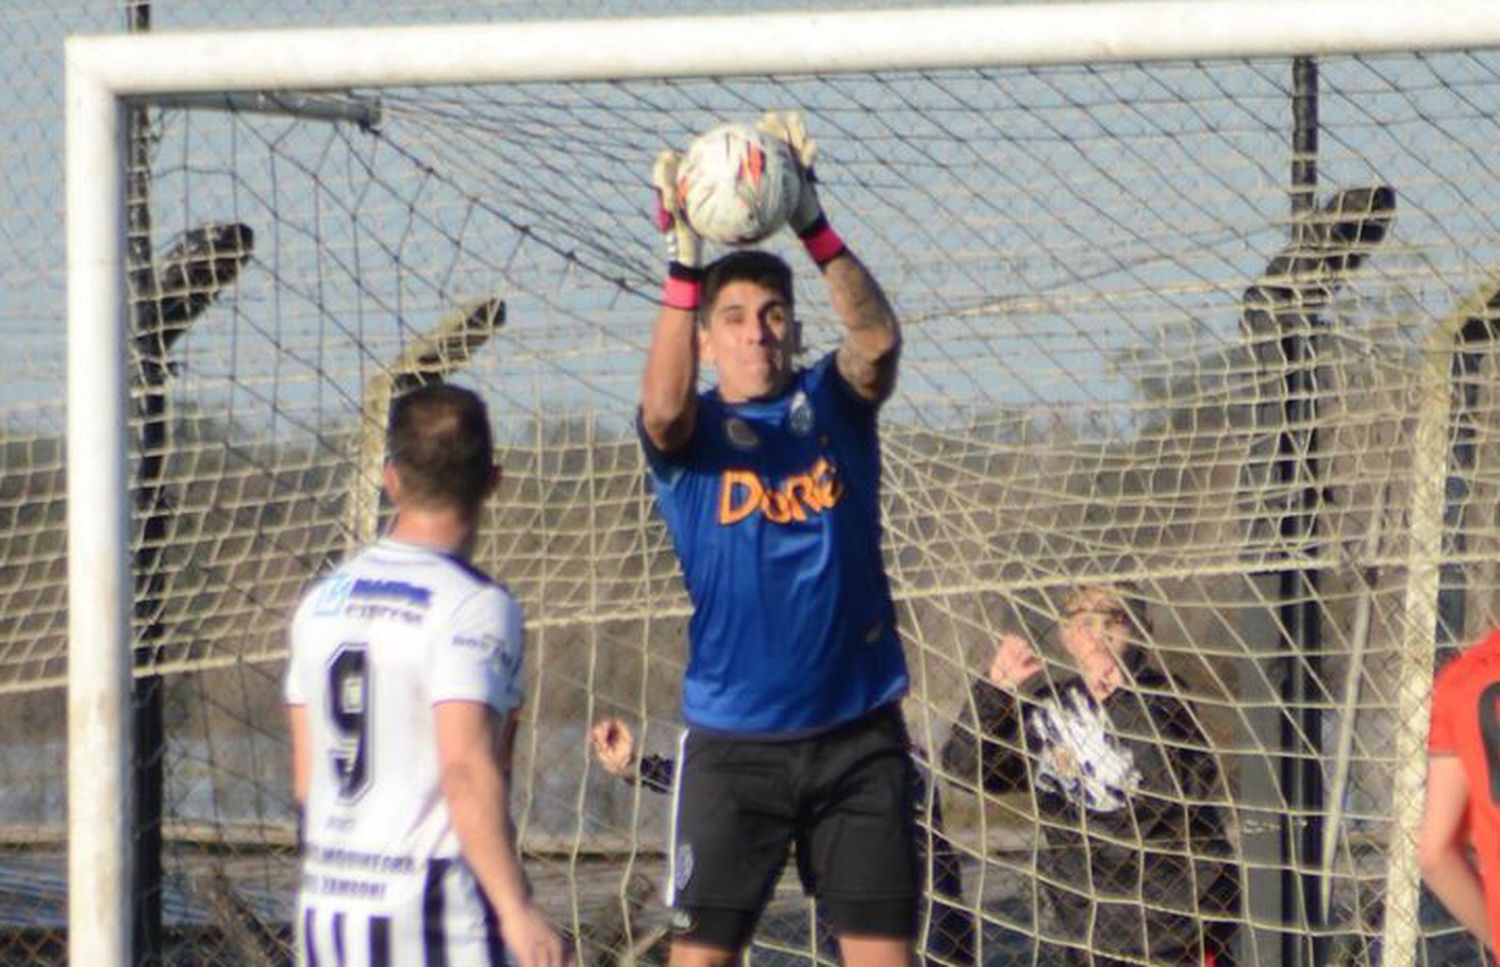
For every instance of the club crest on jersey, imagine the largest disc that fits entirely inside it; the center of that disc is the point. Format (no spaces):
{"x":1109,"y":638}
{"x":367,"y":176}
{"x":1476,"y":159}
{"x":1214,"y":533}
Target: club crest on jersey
{"x":739,"y":434}
{"x":800,"y":417}
{"x":742,"y":493}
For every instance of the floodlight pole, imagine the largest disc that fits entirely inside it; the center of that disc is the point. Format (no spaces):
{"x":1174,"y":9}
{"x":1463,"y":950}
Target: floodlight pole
{"x":1327,"y":245}
{"x":444,"y":349}
{"x":149,"y":377}
{"x":168,"y":293}
{"x":1299,"y":619}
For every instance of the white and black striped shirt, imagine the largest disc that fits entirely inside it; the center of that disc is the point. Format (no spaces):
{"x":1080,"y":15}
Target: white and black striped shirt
{"x":374,"y":647}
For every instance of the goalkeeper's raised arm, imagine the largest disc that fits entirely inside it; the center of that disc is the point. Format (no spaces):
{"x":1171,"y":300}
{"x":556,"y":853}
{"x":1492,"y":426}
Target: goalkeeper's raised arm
{"x":669,"y":384}
{"x":751,"y":336}
{"x":871,"y":347}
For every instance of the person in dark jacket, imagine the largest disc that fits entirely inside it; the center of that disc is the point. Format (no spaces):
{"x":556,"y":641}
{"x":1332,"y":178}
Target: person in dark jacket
{"x":1135,"y":864}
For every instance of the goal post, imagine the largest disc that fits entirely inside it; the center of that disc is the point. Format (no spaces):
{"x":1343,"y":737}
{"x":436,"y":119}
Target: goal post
{"x":101,"y":811}
{"x":107,"y":75}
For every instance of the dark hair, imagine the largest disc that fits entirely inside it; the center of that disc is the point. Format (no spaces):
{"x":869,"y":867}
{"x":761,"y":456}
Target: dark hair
{"x":438,"y":438}
{"x":1131,"y":605}
{"x":747,"y":265}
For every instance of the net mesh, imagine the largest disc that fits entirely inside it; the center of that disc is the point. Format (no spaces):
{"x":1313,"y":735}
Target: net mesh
{"x":1125,"y":360}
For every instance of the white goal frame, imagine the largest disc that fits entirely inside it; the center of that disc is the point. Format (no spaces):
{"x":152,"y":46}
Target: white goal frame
{"x":105,"y":74}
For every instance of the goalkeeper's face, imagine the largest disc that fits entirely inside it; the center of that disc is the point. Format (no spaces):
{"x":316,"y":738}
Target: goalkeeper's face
{"x":750,"y":336}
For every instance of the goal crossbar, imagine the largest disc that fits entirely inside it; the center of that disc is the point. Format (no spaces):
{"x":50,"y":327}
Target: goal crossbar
{"x":103,"y":74}
{"x":797,"y":43}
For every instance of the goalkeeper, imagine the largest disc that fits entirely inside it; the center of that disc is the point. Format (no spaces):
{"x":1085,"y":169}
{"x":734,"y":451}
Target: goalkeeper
{"x":770,"y":485}
{"x":1137,"y":867}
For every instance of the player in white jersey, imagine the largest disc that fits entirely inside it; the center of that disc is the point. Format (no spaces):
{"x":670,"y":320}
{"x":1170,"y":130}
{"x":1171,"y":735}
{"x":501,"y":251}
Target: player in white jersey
{"x":405,"y":678}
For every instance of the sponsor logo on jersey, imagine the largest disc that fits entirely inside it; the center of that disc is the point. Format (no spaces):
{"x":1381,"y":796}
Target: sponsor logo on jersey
{"x":484,"y":643}
{"x":348,"y":860}
{"x":503,"y":655}
{"x":411,"y":595}
{"x":374,"y":599}
{"x":742,"y":493}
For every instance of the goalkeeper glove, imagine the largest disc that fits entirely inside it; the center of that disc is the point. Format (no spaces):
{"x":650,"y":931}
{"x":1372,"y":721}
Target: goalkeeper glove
{"x":684,"y":246}
{"x":807,"y":219}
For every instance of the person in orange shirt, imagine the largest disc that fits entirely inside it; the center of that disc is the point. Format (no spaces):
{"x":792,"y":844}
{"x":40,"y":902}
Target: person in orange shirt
{"x":1463,"y":789}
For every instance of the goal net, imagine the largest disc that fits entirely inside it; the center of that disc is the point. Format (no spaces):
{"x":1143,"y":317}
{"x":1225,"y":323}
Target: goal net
{"x":1218,"y":326}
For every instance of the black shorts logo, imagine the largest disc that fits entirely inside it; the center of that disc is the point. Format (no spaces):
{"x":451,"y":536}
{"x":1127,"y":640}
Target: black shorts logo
{"x":683,"y":870}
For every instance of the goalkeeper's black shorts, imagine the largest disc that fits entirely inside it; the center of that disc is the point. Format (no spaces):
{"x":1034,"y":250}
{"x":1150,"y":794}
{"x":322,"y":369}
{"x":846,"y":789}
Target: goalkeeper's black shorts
{"x":843,"y":798}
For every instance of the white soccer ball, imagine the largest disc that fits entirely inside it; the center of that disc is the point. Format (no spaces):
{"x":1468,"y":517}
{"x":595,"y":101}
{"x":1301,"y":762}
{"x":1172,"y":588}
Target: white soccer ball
{"x":737,"y":185}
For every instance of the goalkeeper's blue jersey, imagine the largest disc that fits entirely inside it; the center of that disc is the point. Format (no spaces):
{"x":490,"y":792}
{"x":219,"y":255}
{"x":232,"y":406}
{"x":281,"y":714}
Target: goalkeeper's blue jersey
{"x":774,"y":510}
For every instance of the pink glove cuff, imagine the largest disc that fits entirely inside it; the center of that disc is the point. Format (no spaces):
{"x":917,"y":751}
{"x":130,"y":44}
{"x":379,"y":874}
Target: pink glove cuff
{"x":822,"y":242}
{"x":680,"y":292}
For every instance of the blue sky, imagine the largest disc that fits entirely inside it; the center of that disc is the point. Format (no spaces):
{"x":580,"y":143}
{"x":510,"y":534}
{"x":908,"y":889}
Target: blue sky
{"x":1034,"y":227}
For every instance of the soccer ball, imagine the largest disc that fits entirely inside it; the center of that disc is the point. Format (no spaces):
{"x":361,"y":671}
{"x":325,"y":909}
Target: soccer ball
{"x":737,"y":185}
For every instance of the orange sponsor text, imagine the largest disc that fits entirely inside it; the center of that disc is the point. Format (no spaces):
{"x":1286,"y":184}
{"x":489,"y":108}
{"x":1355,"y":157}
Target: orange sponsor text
{"x":742,"y":493}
